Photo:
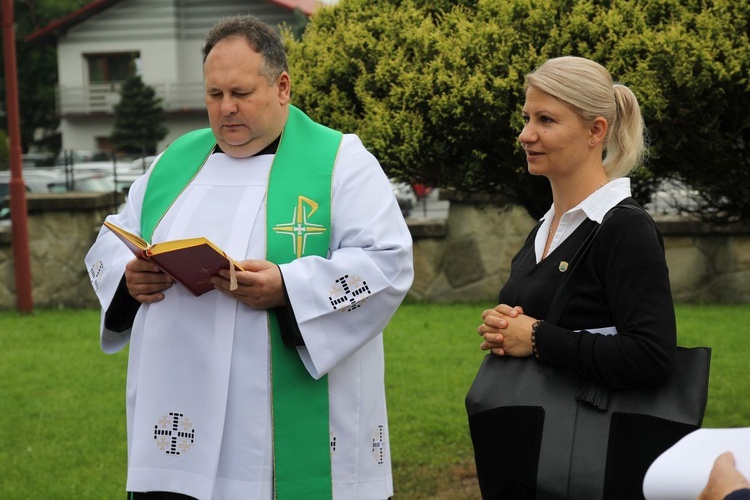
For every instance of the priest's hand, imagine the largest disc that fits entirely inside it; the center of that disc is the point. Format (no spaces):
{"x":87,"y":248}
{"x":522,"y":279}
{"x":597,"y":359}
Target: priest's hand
{"x":506,"y":331}
{"x":145,"y":281}
{"x":260,"y":286}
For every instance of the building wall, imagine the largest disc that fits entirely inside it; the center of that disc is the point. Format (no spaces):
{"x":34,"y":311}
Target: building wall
{"x":82,"y":133}
{"x":146,"y":26}
{"x":180,"y":125}
{"x":169,"y":36}
{"x":126,"y":21}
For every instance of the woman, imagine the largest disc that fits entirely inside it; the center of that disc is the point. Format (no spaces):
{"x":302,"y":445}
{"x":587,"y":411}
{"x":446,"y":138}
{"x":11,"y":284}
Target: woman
{"x":617,"y":330}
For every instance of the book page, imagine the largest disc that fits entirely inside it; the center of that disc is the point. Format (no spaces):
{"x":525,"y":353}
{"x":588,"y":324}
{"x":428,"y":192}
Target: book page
{"x":135,"y":243}
{"x":171,"y":245}
{"x":682,"y":471}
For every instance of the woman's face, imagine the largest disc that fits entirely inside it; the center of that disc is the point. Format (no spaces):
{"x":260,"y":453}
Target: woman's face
{"x":555,"y":138}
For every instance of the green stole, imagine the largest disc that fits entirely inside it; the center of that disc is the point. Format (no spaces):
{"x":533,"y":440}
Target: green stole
{"x":298,"y":223}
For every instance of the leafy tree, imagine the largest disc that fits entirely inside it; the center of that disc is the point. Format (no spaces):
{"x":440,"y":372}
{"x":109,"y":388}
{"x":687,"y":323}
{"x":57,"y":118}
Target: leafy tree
{"x":139,"y":118}
{"x":435,"y":89}
{"x":37,"y":66}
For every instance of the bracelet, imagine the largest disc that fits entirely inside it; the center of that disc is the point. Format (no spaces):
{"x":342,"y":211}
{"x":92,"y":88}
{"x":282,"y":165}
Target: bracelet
{"x":534,"y":328}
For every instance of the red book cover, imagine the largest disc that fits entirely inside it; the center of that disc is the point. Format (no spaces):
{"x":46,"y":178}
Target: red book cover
{"x":191,"y":262}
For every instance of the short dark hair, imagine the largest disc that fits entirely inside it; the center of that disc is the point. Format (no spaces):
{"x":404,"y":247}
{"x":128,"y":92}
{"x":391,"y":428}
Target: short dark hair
{"x":261,"y":36}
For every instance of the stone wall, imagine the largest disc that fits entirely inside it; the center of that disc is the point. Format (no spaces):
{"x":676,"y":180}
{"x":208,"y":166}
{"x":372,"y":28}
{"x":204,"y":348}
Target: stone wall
{"x":471,"y":259}
{"x":61,"y":229}
{"x":465,"y":258}
{"x":708,"y":264}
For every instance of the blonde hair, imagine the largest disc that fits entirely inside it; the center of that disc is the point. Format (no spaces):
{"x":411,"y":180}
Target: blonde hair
{"x":588,"y":89}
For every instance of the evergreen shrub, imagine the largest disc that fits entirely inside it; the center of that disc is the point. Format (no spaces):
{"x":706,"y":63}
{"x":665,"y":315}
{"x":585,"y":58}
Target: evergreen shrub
{"x":435,"y":89}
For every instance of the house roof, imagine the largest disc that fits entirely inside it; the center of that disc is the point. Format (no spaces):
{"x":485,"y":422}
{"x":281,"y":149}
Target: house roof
{"x":56,"y":28}
{"x":306,"y":6}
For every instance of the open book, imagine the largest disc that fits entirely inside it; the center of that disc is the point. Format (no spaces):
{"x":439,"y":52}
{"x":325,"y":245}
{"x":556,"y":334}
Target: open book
{"x":191,"y":262}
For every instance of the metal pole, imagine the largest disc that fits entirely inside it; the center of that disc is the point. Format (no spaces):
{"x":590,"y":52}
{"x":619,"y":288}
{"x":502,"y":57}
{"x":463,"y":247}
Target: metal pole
{"x":17,"y":186}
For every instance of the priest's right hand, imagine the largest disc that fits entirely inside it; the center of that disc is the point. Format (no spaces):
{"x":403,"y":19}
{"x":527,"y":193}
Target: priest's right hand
{"x":145,"y":281}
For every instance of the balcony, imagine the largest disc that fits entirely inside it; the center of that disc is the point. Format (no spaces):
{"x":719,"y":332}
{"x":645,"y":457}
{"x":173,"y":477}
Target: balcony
{"x":98,"y":99}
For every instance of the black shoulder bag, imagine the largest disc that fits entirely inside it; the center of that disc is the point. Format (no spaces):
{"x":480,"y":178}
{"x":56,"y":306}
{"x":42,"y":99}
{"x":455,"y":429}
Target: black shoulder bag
{"x":576,"y":440}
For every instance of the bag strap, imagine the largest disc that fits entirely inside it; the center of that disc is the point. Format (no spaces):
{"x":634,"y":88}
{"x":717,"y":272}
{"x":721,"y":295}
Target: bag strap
{"x":591,"y":392}
{"x":562,"y":293}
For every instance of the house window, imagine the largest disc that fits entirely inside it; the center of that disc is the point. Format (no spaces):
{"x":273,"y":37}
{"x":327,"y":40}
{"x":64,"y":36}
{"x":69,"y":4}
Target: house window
{"x":104,"y":144}
{"x":113,"y":67}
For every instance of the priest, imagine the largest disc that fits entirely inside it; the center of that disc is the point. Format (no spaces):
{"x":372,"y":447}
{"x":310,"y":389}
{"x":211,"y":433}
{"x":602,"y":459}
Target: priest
{"x":272,"y":385}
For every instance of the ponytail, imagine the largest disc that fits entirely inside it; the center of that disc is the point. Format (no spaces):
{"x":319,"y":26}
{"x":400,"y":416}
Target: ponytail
{"x":625,"y":147}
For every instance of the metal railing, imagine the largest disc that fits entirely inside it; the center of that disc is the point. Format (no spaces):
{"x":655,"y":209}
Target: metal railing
{"x":102,"y":98}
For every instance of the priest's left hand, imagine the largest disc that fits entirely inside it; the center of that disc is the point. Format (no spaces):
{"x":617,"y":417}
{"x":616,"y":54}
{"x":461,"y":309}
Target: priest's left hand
{"x":259,"y":286}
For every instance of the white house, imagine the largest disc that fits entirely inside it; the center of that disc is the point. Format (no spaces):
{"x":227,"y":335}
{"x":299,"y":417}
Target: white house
{"x":106,"y":41}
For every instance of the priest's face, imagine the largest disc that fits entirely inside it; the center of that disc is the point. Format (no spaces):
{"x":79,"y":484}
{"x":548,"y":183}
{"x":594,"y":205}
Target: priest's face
{"x":556,"y":139}
{"x":245,"y":110}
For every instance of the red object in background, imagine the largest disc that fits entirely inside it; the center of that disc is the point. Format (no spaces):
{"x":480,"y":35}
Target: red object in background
{"x":19,"y":223}
{"x":421,"y":190}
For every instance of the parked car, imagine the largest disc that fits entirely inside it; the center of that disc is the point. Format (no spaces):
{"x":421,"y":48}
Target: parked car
{"x":142,"y":164}
{"x":123,"y":181}
{"x":103,"y":167}
{"x":72,"y":156}
{"x":672,"y":197}
{"x":84,"y":182}
{"x":32,"y":160}
{"x":54,"y":181}
{"x":36,"y":181}
{"x":404,"y":196}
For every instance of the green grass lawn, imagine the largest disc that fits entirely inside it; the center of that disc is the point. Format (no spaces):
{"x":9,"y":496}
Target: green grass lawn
{"x":62,"y":415}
